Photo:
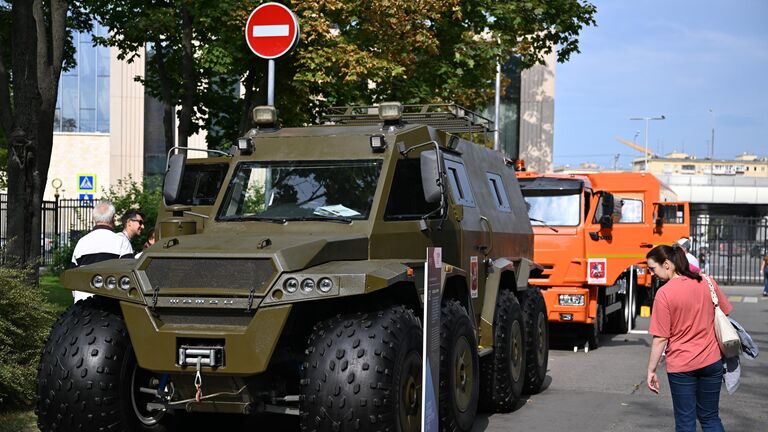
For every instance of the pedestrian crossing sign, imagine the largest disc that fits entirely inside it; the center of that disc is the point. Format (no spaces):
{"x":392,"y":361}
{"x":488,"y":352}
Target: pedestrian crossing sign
{"x":86,"y":183}
{"x":86,"y":200}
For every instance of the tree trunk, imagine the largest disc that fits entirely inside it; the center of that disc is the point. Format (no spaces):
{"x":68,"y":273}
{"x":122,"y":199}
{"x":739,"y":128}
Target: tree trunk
{"x":188,"y":74}
{"x":37,"y":56}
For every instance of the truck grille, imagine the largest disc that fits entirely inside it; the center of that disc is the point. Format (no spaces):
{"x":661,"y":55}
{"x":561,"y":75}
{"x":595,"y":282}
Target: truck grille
{"x":191,"y":273}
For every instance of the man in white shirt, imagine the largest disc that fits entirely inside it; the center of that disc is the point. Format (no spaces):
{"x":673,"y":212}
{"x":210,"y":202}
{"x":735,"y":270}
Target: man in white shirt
{"x":102,"y":243}
{"x":685,"y":243}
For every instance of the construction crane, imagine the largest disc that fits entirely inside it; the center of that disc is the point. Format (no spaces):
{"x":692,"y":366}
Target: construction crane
{"x":641,"y":149}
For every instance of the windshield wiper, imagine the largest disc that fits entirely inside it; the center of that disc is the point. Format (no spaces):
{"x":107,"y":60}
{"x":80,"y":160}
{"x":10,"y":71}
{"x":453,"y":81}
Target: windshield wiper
{"x":337,"y":219}
{"x":276,"y":220}
{"x":544,"y":223}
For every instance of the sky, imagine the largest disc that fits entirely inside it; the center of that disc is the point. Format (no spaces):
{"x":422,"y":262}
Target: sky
{"x":680,"y":59}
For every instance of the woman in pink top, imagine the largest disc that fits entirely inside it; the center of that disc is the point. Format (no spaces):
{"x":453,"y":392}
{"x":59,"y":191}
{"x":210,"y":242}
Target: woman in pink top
{"x":683,"y":321}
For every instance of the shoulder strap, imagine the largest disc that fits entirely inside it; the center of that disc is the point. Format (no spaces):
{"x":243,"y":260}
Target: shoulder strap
{"x":711,"y":289}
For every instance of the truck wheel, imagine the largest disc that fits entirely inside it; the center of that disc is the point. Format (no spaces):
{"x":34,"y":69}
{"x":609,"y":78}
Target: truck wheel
{"x":363,"y":372}
{"x":503,"y":372}
{"x":459,"y":369}
{"x":88,"y":377}
{"x":594,"y":330}
{"x":536,"y":339}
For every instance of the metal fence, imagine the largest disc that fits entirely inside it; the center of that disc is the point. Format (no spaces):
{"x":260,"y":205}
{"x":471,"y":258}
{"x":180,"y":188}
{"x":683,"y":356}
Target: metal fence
{"x":61,"y":223}
{"x":732,"y":247}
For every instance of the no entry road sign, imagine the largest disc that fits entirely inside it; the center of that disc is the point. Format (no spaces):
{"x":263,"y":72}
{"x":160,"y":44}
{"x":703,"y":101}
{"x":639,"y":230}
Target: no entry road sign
{"x":271,"y":31}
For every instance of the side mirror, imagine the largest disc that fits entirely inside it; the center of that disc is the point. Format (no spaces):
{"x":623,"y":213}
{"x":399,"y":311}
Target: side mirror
{"x":173,"y":176}
{"x":430,"y":176}
{"x":608,"y":203}
{"x":660,"y":214}
{"x":606,"y":221}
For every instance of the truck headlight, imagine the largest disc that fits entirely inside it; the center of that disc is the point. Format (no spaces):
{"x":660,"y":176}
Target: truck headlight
{"x":291,"y":285}
{"x":572,"y":299}
{"x":111,"y":282}
{"x":97,"y":281}
{"x":125,"y":283}
{"x":307,"y":285}
{"x":325,"y":284}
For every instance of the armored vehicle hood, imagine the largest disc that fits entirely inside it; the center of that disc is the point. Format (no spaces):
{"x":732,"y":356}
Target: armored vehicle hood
{"x":290,"y":251}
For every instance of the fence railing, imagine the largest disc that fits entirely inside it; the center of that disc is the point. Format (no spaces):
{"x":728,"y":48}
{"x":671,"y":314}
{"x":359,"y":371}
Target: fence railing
{"x":732,"y":247}
{"x":61,"y":222}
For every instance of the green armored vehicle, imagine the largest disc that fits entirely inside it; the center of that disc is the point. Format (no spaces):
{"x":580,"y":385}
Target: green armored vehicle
{"x":289,"y":278}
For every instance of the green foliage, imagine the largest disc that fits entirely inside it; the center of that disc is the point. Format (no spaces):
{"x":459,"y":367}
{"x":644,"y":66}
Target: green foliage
{"x":350,"y":52}
{"x":62,"y":254}
{"x":25,"y":320}
{"x":145,"y":197}
{"x":254,"y":200}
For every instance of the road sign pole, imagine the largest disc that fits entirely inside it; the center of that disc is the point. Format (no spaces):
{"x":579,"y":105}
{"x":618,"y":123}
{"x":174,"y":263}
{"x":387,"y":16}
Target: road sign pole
{"x":271,"y":83}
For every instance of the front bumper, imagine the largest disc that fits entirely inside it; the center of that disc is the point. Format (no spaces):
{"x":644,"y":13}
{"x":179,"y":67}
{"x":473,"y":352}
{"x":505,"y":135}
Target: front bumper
{"x":248,"y":346}
{"x":578,"y":314}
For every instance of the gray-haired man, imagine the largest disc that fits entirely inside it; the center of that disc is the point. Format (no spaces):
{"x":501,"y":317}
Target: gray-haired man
{"x":102,"y":243}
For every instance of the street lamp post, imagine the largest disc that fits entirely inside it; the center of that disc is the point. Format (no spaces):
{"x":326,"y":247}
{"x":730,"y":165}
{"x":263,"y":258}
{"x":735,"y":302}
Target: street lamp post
{"x":647,"y":121}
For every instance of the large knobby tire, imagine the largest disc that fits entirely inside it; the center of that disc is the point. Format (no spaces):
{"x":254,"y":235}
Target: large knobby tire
{"x":363,"y":373}
{"x":536,"y":339}
{"x":459,"y":368}
{"x":88,"y":378}
{"x":503,"y":372}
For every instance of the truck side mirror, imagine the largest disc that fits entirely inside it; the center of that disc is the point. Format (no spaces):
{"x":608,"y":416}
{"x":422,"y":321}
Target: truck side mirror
{"x":606,"y":220}
{"x":430,"y":176}
{"x":173,"y":176}
{"x":660,"y":214}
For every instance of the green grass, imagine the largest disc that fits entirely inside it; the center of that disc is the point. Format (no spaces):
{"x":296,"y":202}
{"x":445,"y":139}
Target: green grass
{"x":60,"y":297}
{"x":18,"y":421}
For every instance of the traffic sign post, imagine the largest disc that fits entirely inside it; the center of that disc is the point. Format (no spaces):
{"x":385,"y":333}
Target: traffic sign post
{"x":272,"y":30}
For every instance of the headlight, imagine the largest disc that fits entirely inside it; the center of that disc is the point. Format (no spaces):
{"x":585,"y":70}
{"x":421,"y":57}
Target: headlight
{"x":307,"y":285}
{"x":572,"y":299}
{"x":111,"y":282}
{"x":325,"y":284}
{"x":97,"y":281}
{"x":291,"y":285}
{"x":125,"y":283}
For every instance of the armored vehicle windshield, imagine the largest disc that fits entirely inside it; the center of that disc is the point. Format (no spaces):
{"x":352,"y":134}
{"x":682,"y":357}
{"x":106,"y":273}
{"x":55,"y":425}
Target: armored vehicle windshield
{"x":301,"y":190}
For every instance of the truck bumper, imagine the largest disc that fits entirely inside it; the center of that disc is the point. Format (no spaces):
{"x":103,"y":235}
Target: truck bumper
{"x":571,"y":314}
{"x":247,"y":348}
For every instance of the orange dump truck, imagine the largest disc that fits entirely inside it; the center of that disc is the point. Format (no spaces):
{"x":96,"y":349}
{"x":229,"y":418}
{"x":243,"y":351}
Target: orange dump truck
{"x":591,"y":234}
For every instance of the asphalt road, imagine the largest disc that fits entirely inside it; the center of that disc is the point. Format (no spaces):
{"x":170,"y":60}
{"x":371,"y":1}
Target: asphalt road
{"x":601,"y":390}
{"x":604,"y":389}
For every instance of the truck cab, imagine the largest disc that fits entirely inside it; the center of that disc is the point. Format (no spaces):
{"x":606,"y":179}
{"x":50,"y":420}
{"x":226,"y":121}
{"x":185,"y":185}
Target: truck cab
{"x":591,"y":234}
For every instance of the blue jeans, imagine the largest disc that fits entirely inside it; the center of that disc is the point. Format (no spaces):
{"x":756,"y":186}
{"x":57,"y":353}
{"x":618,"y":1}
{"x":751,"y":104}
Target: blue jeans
{"x":696,"y":394}
{"x":765,"y":278}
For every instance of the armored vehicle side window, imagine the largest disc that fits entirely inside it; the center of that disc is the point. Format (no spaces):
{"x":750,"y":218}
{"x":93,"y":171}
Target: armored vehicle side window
{"x":497,"y":192}
{"x":457,"y":177}
{"x":301,"y":190}
{"x":201,"y":184}
{"x":406,"y":197}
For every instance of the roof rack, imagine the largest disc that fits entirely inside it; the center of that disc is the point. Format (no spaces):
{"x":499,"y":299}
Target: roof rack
{"x":450,"y":118}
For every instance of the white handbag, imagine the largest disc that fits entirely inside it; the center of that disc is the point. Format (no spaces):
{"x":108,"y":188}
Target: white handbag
{"x":726,"y":334}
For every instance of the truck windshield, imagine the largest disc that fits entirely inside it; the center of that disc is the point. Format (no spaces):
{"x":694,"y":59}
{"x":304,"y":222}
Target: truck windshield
{"x":552,"y":201}
{"x":301,"y":190}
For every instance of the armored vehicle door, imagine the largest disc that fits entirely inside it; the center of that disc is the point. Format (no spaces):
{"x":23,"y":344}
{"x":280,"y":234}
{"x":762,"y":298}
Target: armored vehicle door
{"x":476,"y":239}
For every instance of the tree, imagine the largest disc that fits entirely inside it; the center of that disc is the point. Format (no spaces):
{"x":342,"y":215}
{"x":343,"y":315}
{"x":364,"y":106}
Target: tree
{"x":34,"y":43}
{"x":350,"y":52}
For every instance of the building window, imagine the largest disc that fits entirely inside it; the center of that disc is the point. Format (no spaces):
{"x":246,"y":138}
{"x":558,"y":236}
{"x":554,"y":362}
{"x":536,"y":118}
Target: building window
{"x":83,"y":101}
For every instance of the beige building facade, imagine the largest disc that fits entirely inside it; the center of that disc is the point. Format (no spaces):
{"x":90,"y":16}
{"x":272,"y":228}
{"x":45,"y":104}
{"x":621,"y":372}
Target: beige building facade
{"x":677,"y":163}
